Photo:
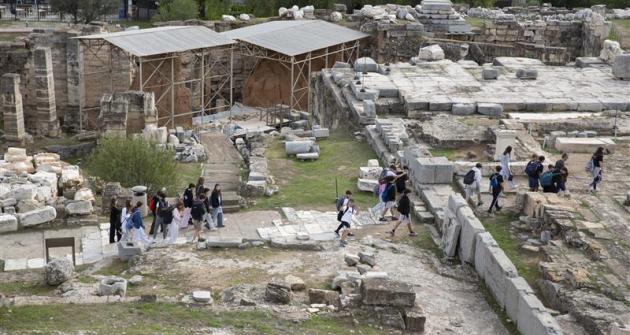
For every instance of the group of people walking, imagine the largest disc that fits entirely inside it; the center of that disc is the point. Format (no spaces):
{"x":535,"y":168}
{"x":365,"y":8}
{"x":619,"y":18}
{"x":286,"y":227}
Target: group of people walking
{"x":198,"y":206}
{"x":553,"y":179}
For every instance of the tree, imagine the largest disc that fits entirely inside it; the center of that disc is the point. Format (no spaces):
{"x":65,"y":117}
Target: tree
{"x":85,"y":10}
{"x":171,"y":10}
{"x":133,"y":161}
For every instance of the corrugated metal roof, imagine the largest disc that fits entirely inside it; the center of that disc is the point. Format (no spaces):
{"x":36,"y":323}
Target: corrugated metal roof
{"x":294,"y":38}
{"x":163,"y":40}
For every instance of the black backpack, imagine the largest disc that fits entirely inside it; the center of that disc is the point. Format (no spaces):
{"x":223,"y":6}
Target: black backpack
{"x":198,"y":210}
{"x":532,"y":169}
{"x":166,"y":214}
{"x":469,"y":178}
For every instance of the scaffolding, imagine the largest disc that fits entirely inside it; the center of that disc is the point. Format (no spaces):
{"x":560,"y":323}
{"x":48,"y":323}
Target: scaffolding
{"x":157,"y":68}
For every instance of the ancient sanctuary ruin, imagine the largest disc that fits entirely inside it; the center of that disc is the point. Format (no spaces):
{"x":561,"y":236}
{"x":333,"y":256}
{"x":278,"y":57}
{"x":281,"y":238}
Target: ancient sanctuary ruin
{"x":285,"y":111}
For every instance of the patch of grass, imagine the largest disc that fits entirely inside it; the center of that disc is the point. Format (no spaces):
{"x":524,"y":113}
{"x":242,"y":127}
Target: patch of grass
{"x":186,"y":173}
{"x":526,"y":263}
{"x":423,"y":240}
{"x":115,"y":269}
{"x":622,"y":23}
{"x":451,"y":154}
{"x":22,"y":288}
{"x":476,"y":21}
{"x":163,"y":318}
{"x":311,"y":184}
{"x":509,"y":326}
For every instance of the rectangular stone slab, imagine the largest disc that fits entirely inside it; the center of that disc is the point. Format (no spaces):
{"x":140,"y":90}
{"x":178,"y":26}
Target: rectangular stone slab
{"x":385,"y":292}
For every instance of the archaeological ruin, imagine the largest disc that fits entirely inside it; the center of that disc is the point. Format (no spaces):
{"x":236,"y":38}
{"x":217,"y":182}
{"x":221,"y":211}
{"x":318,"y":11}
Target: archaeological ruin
{"x":407,"y":123}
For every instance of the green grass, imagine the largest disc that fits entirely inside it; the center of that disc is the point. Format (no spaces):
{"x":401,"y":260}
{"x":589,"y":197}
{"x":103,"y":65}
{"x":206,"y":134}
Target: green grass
{"x":186,"y":173}
{"x":114,"y":269}
{"x":509,"y":326}
{"x":162,"y":318}
{"x":475,"y":21}
{"x":451,"y":154}
{"x":21,"y":288}
{"x":622,"y":23}
{"x":526,"y":263}
{"x":311,"y":184}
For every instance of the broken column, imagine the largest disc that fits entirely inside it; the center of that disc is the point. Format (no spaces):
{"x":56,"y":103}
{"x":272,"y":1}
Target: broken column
{"x":505,"y":138}
{"x":113,"y":116}
{"x":12,"y":108}
{"x":47,"y":123}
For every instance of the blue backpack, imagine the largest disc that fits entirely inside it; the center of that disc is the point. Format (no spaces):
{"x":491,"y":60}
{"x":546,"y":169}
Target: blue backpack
{"x":546,"y":179}
{"x":531,"y":169}
{"x":494,"y":181}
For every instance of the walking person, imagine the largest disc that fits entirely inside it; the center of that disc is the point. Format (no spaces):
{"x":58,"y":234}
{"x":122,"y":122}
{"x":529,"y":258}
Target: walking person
{"x":404,"y":208}
{"x":152,"y":208}
{"x":163,"y":215}
{"x":506,"y":172}
{"x":388,"y":198}
{"x":564,"y":174}
{"x":178,"y":216}
{"x":198,"y":213}
{"x":342,"y":204}
{"x":188,"y":199}
{"x":533,"y":170}
{"x":138,"y":225}
{"x":595,"y":168}
{"x":472,"y":184}
{"x":209,"y":222}
{"x":496,"y":186}
{"x":346,"y":218}
{"x":401,"y":180}
{"x":125,"y":221}
{"x":216,"y":200}
{"x":114,"y":222}
{"x":200,"y":188}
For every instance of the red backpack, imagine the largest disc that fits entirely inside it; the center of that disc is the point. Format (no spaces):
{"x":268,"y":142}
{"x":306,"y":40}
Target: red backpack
{"x":152,"y":204}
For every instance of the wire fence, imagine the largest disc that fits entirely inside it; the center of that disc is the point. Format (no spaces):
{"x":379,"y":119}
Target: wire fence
{"x":40,"y":13}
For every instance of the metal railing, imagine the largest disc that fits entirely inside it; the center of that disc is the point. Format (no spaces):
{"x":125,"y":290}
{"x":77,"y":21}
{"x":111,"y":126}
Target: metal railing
{"x":42,"y":13}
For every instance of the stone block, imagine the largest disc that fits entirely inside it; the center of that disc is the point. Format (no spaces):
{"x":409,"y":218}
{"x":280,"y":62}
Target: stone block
{"x":620,"y":329}
{"x":621,"y":67}
{"x":278,"y":292}
{"x":369,"y":108}
{"x":321,"y":133}
{"x":327,"y":297}
{"x":309,"y":156}
{"x":415,"y":319}
{"x":204,"y":297}
{"x":431,"y":53}
{"x":490,"y":109}
{"x":498,"y":269}
{"x":82,"y":207}
{"x":450,"y":235}
{"x":370,"y":172}
{"x":583,"y":145}
{"x":515,"y":287}
{"x":463,"y":109}
{"x":298,"y":147}
{"x":351,"y":259}
{"x":127,"y":249}
{"x":295,"y":283}
{"x":529,"y":74}
{"x":366,"y":185}
{"x":385,"y":292}
{"x":489,"y":73}
{"x":112,"y":286}
{"x":455,"y":202}
{"x":37,"y":217}
{"x":365,"y":64}
{"x":482,"y":244}
{"x":533,"y":318}
{"x":367,"y":258}
{"x":58,"y":271}
{"x":8,"y":223}
{"x":223,"y":242}
{"x":471,"y":227}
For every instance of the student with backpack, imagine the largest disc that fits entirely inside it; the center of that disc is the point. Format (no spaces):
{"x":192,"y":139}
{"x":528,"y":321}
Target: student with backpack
{"x":346,"y":218}
{"x":198,"y":213}
{"x":533,"y":170}
{"x":404,"y":208}
{"x":138,"y":225}
{"x":388,"y":198}
{"x":472,"y":183}
{"x":164,"y":215}
{"x":549,"y":179}
{"x":594,"y":167}
{"x":561,"y":185}
{"x":187,"y":199}
{"x":210,"y":224}
{"x":216,"y":200}
{"x":152,"y":208}
{"x":342,"y":204}
{"x":496,"y":181}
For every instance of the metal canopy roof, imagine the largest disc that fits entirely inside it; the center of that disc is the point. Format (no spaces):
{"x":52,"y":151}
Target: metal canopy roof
{"x":163,"y":40}
{"x":294,"y":38}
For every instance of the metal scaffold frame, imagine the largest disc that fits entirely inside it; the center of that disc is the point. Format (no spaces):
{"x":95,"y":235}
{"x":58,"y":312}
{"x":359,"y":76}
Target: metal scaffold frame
{"x":300,"y":66}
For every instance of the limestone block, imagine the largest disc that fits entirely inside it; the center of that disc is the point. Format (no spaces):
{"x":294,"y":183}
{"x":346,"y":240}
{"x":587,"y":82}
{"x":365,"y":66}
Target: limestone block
{"x":27,"y":205}
{"x":621,"y":67}
{"x":451,"y":229}
{"x":498,"y":270}
{"x":373,"y":163}
{"x":515,"y":287}
{"x":365,"y":64}
{"x":463,"y":109}
{"x":58,"y":271}
{"x":533,"y":317}
{"x":112,"y":285}
{"x":321,"y":133}
{"x":583,"y":145}
{"x":309,"y":156}
{"x":8,"y":223}
{"x":223,"y":242}
{"x":471,"y":227}
{"x":367,"y":258}
{"x":327,"y":297}
{"x":366,"y":185}
{"x":482,"y":244}
{"x":455,"y":202}
{"x":415,"y":319}
{"x":204,"y":297}
{"x":369,"y":108}
{"x":44,"y":178}
{"x":431,"y":53}
{"x":489,"y":73}
{"x":81,"y":207}
{"x":172,"y":139}
{"x":336,"y":16}
{"x":490,"y":109}
{"x":298,"y":147}
{"x":37,"y":217}
{"x":23,"y":192}
{"x":370,"y":172}
{"x":504,"y":138}
{"x":295,"y":283}
{"x":228,"y":18}
{"x":278,"y":292}
{"x":70,"y":176}
{"x":610,"y":50}
{"x":385,"y":292}
{"x":84,"y":194}
{"x":128,"y":249}
{"x":529,"y":74}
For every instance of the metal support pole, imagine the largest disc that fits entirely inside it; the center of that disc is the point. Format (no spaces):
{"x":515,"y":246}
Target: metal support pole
{"x":292,"y":86}
{"x":81,"y":87}
{"x":172,"y":92}
{"x":308,"y":84}
{"x":203,"y":83}
{"x":111,"y":71}
{"x":231,"y":81}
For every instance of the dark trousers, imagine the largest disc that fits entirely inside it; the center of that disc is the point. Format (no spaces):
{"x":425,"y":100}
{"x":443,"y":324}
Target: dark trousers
{"x":495,"y":199}
{"x":114,"y":231}
{"x":152,"y":230}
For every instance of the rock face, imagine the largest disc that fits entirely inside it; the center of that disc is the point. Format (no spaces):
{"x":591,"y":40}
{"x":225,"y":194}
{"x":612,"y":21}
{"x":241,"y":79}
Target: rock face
{"x":58,"y":271}
{"x":431,"y":53}
{"x":38,"y":216}
{"x":367,"y":258}
{"x":278,"y":292}
{"x":112,"y":286}
{"x":384,"y":292}
{"x":82,"y":207}
{"x":621,"y":67}
{"x":351,"y":260}
{"x":8,"y":223}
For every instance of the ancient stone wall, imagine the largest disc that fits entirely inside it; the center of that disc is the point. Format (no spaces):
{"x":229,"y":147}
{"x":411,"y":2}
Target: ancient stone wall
{"x":392,"y":42}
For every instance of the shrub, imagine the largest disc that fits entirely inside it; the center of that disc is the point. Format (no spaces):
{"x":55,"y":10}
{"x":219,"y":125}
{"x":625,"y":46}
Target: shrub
{"x":133,"y":161}
{"x":171,"y":10}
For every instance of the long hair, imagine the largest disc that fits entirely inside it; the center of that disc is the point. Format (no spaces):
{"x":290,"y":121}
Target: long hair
{"x":216,"y":189}
{"x":128,"y":205}
{"x":200,"y":181}
{"x":508,"y":150}
{"x":600,"y":151}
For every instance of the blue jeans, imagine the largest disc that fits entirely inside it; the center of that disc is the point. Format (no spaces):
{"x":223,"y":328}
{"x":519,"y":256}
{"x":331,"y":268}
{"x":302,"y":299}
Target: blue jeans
{"x":533,"y":182}
{"x":217,"y":216}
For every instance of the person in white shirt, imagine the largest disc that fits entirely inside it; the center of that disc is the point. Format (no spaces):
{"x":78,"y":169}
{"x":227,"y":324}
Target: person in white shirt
{"x":475,"y":187}
{"x":125,"y":216}
{"x":506,"y":172}
{"x":346,"y":218}
{"x":178,"y":215}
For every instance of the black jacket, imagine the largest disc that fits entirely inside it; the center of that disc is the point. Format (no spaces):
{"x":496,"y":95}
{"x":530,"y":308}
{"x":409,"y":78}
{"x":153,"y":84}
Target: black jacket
{"x":216,"y":200}
{"x":114,"y":216}
{"x":404,"y":205}
{"x":188,"y":198}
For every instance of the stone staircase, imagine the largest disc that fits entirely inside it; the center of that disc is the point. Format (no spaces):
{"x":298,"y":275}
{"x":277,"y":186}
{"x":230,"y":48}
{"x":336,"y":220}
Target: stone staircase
{"x":222,"y":167}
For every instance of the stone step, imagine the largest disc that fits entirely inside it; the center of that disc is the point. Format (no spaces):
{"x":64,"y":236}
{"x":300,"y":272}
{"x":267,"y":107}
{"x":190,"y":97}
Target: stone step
{"x":231,"y":208}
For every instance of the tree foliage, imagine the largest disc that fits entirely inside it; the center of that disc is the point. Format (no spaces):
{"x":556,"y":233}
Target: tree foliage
{"x":133,"y":161}
{"x":85,"y":10}
{"x":171,"y":10}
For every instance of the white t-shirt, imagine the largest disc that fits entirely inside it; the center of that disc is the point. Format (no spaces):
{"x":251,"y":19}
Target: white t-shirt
{"x":477,"y":175}
{"x":347,"y":215}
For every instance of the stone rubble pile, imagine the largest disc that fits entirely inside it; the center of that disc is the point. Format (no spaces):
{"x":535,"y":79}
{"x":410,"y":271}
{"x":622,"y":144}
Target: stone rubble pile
{"x":387,"y":137}
{"x":368,"y":176}
{"x":252,"y":148}
{"x":439,"y":16}
{"x":54,"y":192}
{"x":187,"y":147}
{"x":302,"y":143}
